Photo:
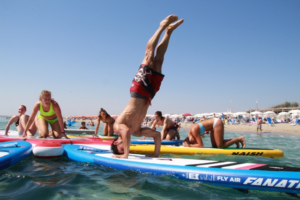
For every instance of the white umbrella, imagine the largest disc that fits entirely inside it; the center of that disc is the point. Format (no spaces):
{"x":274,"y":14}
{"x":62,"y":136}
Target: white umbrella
{"x":256,"y":112}
{"x":149,"y":115}
{"x":175,"y":116}
{"x":283,"y":114}
{"x":228,"y":113}
{"x":218,"y":114}
{"x":269,"y":114}
{"x":198,"y":115}
{"x":294,"y":112}
{"x":167,"y":115}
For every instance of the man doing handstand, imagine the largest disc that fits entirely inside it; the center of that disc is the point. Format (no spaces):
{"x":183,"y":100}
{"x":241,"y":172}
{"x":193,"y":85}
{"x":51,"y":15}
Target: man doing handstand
{"x":143,"y":88}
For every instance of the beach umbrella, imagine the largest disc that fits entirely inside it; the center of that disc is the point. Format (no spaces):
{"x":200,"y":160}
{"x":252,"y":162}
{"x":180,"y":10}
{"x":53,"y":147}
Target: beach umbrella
{"x":270,"y":114}
{"x":294,"y":112}
{"x":149,"y":115}
{"x":167,"y":115}
{"x":186,"y":114}
{"x":198,"y":115}
{"x":175,"y":116}
{"x":283,"y":114}
{"x":256,"y":113}
{"x":218,"y":114}
{"x":228,"y":113}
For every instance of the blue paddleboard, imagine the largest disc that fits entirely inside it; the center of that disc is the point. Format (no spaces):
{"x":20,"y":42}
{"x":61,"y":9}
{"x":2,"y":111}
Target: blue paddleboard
{"x":252,"y":176}
{"x":13,"y":152}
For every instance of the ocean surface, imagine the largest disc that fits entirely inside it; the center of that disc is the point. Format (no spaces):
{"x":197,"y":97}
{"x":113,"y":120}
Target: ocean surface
{"x":61,"y":178}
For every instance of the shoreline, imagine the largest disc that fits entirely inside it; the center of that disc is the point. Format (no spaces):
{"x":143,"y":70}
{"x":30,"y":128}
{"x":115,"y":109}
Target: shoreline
{"x":278,"y":128}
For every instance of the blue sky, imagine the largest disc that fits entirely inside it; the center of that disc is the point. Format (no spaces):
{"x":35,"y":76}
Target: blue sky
{"x":87,"y":53}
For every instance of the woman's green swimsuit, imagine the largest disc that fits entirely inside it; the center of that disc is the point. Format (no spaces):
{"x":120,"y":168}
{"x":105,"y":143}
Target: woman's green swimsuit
{"x":49,"y":113}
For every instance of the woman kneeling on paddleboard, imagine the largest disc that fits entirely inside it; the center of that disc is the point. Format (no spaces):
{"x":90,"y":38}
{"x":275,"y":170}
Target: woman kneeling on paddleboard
{"x":50,"y":113}
{"x":216,"y":128}
{"x":108,"y":121}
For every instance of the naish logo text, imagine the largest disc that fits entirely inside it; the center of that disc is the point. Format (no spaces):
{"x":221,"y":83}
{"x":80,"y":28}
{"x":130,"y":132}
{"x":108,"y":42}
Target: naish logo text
{"x":284,"y":183}
{"x":248,"y":153}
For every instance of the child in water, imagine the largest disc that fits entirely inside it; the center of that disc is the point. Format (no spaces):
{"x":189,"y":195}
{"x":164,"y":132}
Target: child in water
{"x":83,"y":126}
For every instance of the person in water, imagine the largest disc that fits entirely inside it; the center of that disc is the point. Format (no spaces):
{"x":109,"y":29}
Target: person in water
{"x":216,"y":128}
{"x":145,"y":85}
{"x":83,"y":126}
{"x":108,"y":123}
{"x":20,"y":121}
{"x":170,"y":128}
{"x":50,"y":114}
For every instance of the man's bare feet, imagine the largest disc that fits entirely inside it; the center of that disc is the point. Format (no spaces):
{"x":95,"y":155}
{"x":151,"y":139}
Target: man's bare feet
{"x":243,"y":141}
{"x":173,"y":26}
{"x":170,"y":19}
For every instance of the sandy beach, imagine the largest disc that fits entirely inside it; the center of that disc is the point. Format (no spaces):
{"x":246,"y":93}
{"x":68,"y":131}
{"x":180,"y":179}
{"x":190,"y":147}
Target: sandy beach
{"x":278,"y":128}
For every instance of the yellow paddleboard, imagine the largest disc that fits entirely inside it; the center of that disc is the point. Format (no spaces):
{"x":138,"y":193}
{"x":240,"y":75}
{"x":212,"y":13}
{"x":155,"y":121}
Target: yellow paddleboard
{"x":165,"y":149}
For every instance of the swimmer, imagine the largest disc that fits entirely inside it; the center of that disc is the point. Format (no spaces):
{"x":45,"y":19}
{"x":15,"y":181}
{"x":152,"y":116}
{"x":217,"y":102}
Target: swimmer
{"x":216,"y":128}
{"x":20,"y":121}
{"x":83,"y":126}
{"x":108,"y":123}
{"x":146,"y":83}
{"x":170,"y":128}
{"x":50,"y":114}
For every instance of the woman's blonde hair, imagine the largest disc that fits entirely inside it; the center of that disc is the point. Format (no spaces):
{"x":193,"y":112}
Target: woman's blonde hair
{"x":45,"y":93}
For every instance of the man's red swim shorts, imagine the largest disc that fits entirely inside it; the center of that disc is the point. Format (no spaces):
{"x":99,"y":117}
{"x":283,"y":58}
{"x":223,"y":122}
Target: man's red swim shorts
{"x":146,"y":83}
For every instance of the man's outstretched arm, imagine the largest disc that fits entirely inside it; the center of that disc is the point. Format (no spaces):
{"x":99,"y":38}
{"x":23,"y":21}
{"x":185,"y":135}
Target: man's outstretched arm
{"x":124,"y":131}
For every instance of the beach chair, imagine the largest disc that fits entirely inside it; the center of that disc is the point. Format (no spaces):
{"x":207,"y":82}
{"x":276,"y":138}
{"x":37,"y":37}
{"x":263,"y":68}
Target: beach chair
{"x":270,"y":123}
{"x":297,"y":122}
{"x":234,"y":122}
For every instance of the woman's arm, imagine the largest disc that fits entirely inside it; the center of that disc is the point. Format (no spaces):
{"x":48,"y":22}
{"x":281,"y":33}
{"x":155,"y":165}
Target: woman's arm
{"x":154,"y":124}
{"x":163,"y":135}
{"x":97,"y":127}
{"x":12,"y":120}
{"x":57,"y":110}
{"x":31,"y":118}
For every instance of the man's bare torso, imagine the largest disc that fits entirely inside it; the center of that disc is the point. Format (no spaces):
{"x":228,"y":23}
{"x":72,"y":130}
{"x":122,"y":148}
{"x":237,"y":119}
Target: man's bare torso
{"x":132,"y":116}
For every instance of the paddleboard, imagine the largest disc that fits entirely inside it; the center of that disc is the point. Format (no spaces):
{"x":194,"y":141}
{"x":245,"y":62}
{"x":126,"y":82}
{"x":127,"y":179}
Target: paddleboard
{"x":165,"y":142}
{"x":166,"y":149}
{"x":80,"y":131}
{"x":51,"y":148}
{"x":13,"y":152}
{"x":246,"y":176}
{"x":103,"y":137}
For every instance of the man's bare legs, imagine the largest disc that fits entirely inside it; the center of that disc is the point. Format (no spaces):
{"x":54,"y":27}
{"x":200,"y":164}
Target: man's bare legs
{"x":152,"y":43}
{"x":162,"y":47}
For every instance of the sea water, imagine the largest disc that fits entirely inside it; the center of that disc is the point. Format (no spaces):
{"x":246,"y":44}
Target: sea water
{"x":61,"y":178}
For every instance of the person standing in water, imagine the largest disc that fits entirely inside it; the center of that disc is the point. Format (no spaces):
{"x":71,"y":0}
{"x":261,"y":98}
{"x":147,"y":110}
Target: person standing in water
{"x":20,"y":121}
{"x":108,"y":123}
{"x":145,"y":85}
{"x":259,"y":124}
{"x":216,"y":128}
{"x":169,"y":130}
{"x":50,"y":114}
